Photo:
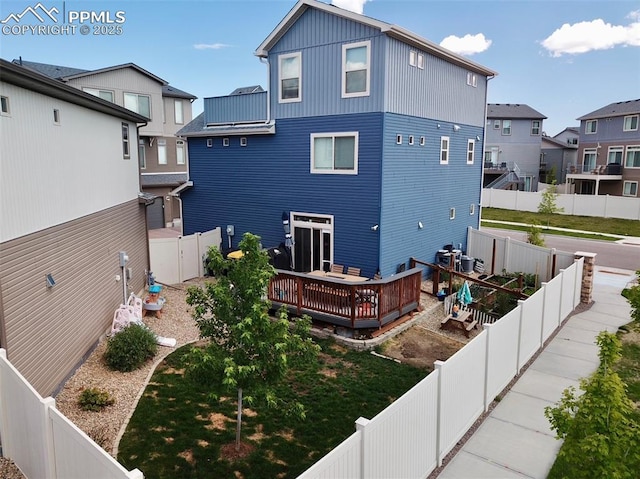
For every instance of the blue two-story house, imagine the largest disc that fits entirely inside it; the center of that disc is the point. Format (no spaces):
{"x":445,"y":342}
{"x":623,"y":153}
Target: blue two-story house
{"x":367,"y":144}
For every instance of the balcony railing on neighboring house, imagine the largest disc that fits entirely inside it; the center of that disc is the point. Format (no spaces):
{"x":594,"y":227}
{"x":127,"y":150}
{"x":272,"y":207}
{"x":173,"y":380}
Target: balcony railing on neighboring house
{"x":231,"y":109}
{"x":586,"y":168}
{"x":370,"y":304}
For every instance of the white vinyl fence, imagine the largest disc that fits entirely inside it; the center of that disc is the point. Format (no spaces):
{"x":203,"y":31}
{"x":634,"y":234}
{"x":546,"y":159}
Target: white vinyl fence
{"x":411,"y":437}
{"x":174,"y":260}
{"x":41,"y":441}
{"x":603,"y":206}
{"x":515,"y":256}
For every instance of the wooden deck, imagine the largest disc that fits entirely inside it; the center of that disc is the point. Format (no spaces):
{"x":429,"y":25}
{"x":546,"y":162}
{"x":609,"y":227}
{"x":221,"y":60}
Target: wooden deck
{"x":369,"y":304}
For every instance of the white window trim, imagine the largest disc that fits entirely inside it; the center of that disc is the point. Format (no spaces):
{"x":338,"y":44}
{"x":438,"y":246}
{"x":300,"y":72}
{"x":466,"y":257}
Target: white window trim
{"x":472,"y":209}
{"x":349,"y":46}
{"x":452,"y":213}
{"x":411,"y":140}
{"x":56,"y":116}
{"x":442,"y":150}
{"x":586,"y":127}
{"x":8,"y":104}
{"x":225,"y":142}
{"x":126,"y":142}
{"x":413,"y":55}
{"x":142,"y":158}
{"x":354,"y":134}
{"x":398,"y":139}
{"x":629,"y":183}
{"x":539,"y":127}
{"x":209,"y":142}
{"x":91,"y":91}
{"x":178,"y":121}
{"x":284,"y":57}
{"x":615,"y":148}
{"x":420,"y":61}
{"x":138,"y":95}
{"x":472,"y":79}
{"x":510,"y":128}
{"x":423,"y":141}
{"x":180,"y":143}
{"x":635,"y":148}
{"x":471,"y":151}
{"x":162,"y":143}
{"x":243,"y":141}
{"x":624,"y":123}
{"x":496,"y":124}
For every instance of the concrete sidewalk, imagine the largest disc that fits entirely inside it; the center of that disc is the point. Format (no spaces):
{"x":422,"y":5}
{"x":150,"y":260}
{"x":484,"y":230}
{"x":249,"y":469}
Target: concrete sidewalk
{"x":516,"y":440}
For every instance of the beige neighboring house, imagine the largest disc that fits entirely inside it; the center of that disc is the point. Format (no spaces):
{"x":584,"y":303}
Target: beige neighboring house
{"x":162,"y":156}
{"x":70,"y":202}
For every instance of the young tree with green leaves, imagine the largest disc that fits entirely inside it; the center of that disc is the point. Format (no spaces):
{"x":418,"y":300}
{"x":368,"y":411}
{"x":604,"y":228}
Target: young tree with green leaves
{"x":547,"y":205}
{"x":601,"y":438}
{"x":534,"y":235}
{"x":249,"y":351}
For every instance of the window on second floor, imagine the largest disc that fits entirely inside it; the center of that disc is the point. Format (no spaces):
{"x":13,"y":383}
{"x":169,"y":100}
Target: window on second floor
{"x":506,"y":127}
{"x":126,"y":154}
{"x":590,"y":127}
{"x":496,"y":124}
{"x":471,"y":147}
{"x":355,"y":69}
{"x":632,"y":159}
{"x":444,"y":150}
{"x":139,"y":103}
{"x":412,"y":57}
{"x":535,"y":127}
{"x":4,"y":104}
{"x":178,"y":112}
{"x":630,"y":123}
{"x":472,"y":79}
{"x":615,"y":155}
{"x":420,"y":61}
{"x":334,"y":153}
{"x":180,"y":152}
{"x":162,"y":151}
{"x":104,"y":94}
{"x":142,"y":156}
{"x":290,"y":74}
{"x":630,"y":188}
{"x":56,"y":116}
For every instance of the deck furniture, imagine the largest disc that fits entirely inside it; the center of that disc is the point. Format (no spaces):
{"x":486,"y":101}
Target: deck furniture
{"x":337,"y":268}
{"x":463,"y":322}
{"x":353,"y":271}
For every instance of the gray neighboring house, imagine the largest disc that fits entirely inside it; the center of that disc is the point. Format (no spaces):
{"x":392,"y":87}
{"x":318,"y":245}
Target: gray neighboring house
{"x":162,"y":155}
{"x":556,"y":157}
{"x":512,"y":147}
{"x":570,"y":135}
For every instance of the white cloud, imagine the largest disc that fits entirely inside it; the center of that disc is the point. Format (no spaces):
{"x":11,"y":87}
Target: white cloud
{"x":584,"y":37}
{"x":210,"y":46}
{"x":467,"y":45}
{"x":356,"y":6}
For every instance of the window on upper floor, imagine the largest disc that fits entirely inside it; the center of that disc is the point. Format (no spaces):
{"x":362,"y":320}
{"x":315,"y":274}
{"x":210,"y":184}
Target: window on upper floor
{"x":209,"y":142}
{"x":444,"y":150}
{"x":56,"y":116}
{"x":496,"y":124}
{"x":630,"y":188}
{"x":630,"y":123}
{"x":355,"y":69}
{"x":225,"y":142}
{"x":422,"y":141}
{"x":535,"y":127}
{"x":181,"y":158}
{"x":243,"y":141}
{"x":572,"y":141}
{"x":420,"y":61}
{"x":411,"y":139}
{"x":398,"y":139}
{"x":142,"y":156}
{"x":632,"y":158}
{"x":334,"y":153}
{"x":162,"y":151}
{"x":452,"y":213}
{"x":178,"y":112}
{"x":615,"y":155}
{"x":290,"y":74}
{"x":472,"y":209}
{"x":590,"y":127}
{"x":4,"y":105}
{"x":472,"y":79}
{"x":126,"y":154}
{"x":104,"y":94}
{"x":413,"y":58}
{"x":139,"y":103}
{"x":506,"y":127}
{"x":471,"y":147}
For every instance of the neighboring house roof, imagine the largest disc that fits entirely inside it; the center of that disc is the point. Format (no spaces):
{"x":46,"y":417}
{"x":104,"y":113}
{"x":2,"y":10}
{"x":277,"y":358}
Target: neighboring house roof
{"x":572,"y":129}
{"x":168,"y":179}
{"x":197,"y":127}
{"x":32,"y":80}
{"x":614,"y":109}
{"x":247,"y":89}
{"x":513,"y":111}
{"x":68,"y":73}
{"x":560,"y":143}
{"x":392,"y":30}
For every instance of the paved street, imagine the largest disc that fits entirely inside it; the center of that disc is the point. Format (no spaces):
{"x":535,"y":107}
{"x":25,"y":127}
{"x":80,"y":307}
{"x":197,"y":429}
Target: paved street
{"x":609,"y":253}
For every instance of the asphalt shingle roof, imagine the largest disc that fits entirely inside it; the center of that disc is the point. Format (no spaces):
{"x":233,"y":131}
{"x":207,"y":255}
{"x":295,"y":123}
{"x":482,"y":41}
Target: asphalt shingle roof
{"x":52,"y":71}
{"x":513,"y":111}
{"x":614,"y":109}
{"x":247,"y":89}
{"x":169,"y":179}
{"x":171,"y":91}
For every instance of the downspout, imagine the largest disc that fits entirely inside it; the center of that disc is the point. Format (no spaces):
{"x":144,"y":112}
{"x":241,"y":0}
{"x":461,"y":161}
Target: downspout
{"x":266,"y":62}
{"x":484,"y":144}
{"x":146,"y":224}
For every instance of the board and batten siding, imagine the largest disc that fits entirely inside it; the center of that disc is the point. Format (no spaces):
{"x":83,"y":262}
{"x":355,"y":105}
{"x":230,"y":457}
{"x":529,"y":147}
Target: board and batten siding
{"x":129,"y":80}
{"x":54,"y":173}
{"x":319,"y":36}
{"x":250,"y":187}
{"x":417,"y":188}
{"x":439,"y":90}
{"x":49,"y":330}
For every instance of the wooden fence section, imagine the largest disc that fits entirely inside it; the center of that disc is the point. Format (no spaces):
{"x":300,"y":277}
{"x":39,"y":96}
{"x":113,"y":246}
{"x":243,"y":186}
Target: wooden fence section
{"x":411,"y":437}
{"x":41,"y":441}
{"x":361,"y":305}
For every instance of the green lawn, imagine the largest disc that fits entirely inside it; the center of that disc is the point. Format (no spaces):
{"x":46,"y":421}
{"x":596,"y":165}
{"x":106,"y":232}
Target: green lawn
{"x":176,"y":432}
{"x":585,"y":223}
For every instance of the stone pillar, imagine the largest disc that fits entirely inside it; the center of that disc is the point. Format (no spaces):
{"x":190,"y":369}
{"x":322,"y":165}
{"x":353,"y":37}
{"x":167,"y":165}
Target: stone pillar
{"x":587,"y":275}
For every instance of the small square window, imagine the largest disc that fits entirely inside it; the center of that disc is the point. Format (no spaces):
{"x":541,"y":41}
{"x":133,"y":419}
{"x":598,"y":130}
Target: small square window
{"x":496,"y":124}
{"x":472,"y":209}
{"x":591,"y":127}
{"x":243,"y":141}
{"x":411,"y":139}
{"x":225,"y":142}
{"x":630,"y":123}
{"x":452,"y":213}
{"x":56,"y":116}
{"x":4,"y":103}
{"x":422,"y":141}
{"x":420,"y":61}
{"x":398,"y":139}
{"x":630,"y":188}
{"x":209,"y":142}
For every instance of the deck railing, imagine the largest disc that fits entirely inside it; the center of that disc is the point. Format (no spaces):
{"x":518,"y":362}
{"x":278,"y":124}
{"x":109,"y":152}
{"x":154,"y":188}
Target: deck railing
{"x":366,"y":304}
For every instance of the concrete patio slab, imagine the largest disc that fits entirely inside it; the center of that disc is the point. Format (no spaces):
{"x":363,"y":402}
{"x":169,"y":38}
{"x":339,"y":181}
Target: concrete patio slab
{"x":605,"y":319}
{"x":525,"y":411}
{"x":469,"y":466}
{"x":542,"y":385}
{"x":567,"y":346}
{"x":563,"y":366}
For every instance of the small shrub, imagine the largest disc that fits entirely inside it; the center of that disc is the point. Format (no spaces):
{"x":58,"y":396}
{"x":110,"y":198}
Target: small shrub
{"x":94,"y":399}
{"x":534,"y":236}
{"x":130,"y":348}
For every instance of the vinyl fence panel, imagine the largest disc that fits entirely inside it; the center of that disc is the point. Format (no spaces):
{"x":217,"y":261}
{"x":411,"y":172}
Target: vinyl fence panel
{"x":190,"y":260}
{"x":164,"y":255}
{"x":205,"y":241}
{"x":345,"y":461}
{"x":551,"y":313}
{"x":502,"y":354}
{"x":530,"y":327}
{"x":568,"y":285}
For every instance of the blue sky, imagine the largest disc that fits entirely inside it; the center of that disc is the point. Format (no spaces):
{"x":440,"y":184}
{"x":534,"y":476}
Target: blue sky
{"x":562,"y":58}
